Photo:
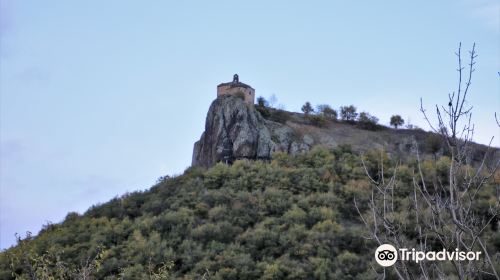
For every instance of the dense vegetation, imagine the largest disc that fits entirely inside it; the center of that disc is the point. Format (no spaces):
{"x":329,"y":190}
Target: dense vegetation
{"x":290,"y":218}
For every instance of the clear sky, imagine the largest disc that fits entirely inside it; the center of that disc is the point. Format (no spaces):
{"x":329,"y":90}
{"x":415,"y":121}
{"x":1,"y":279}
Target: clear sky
{"x":102,"y":97}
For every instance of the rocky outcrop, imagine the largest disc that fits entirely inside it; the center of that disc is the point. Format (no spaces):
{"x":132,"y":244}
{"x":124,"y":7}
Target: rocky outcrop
{"x":236,"y":130}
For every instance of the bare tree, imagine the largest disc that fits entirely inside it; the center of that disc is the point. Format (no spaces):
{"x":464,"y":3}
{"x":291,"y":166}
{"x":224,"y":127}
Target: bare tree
{"x":442,"y":210}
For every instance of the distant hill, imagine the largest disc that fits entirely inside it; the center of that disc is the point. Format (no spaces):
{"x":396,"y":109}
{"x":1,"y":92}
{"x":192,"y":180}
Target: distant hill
{"x":289,"y":215}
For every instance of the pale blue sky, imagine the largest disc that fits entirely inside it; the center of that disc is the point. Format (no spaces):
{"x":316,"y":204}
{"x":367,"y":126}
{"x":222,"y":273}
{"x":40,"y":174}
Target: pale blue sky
{"x":102,"y":97}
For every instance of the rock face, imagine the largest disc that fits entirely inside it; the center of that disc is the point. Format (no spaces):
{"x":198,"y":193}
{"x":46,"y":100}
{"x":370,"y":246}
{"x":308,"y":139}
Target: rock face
{"x":236,"y":130}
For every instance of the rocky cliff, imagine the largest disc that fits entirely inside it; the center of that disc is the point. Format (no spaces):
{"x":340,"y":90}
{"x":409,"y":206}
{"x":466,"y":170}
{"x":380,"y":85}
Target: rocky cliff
{"x":236,"y":130}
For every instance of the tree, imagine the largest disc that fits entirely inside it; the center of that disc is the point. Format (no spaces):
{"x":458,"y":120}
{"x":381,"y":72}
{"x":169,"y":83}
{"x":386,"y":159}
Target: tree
{"x":348,"y":113}
{"x":262,"y":102}
{"x":327,"y":111}
{"x":396,"y":121}
{"x":454,"y":125}
{"x":365,"y":117}
{"x":367,"y":121}
{"x":307,"y":108}
{"x":445,"y":213}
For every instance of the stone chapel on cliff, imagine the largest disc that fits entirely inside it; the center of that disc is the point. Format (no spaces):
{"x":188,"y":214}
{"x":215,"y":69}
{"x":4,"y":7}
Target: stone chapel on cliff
{"x":237,"y":88}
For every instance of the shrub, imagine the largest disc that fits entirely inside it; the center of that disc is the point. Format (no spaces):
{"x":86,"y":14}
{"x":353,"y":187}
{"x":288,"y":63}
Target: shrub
{"x":295,"y":216}
{"x":264,"y":111}
{"x":279,"y":116}
{"x":327,"y":112}
{"x":367,"y":121}
{"x":319,"y":121}
{"x":433,"y":144}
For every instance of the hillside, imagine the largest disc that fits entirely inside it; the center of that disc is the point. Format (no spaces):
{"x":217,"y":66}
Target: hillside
{"x":288,"y":215}
{"x":290,"y":218}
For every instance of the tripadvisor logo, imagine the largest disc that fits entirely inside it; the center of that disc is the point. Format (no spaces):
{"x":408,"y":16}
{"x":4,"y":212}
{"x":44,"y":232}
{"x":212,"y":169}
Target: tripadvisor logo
{"x":387,"y":255}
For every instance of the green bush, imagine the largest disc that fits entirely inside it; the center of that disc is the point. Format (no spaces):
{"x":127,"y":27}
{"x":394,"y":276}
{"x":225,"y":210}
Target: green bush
{"x":317,"y":120}
{"x":367,"y":121}
{"x":280,"y":116}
